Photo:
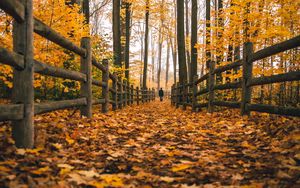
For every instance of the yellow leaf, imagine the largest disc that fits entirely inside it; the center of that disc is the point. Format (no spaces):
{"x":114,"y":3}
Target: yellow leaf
{"x":57,"y":146}
{"x":180,"y":167}
{"x":40,"y":170}
{"x":69,"y":139}
{"x":4,"y":169}
{"x":112,"y":180}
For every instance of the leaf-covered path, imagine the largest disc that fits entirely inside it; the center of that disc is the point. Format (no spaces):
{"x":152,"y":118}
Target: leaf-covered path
{"x":155,"y":145}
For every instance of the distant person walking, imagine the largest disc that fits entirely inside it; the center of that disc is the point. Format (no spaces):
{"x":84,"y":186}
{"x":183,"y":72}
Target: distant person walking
{"x":161,"y":94}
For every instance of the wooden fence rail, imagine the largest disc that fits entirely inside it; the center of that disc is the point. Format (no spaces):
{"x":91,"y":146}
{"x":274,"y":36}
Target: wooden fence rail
{"x":180,"y":96}
{"x":22,"y":110}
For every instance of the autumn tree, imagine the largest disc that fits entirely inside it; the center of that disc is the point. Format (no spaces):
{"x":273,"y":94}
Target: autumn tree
{"x":146,"y":45}
{"x":194,"y":33}
{"x":127,"y":42}
{"x":181,"y":42}
{"x":117,"y":33}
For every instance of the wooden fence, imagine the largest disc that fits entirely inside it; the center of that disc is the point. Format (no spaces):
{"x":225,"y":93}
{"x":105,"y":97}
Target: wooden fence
{"x":187,"y":94}
{"x":22,"y":110}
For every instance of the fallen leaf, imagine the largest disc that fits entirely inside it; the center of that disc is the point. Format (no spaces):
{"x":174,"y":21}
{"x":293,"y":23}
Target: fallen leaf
{"x":180,"y":167}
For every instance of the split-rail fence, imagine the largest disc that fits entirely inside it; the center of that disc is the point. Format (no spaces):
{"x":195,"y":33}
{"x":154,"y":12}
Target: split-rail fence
{"x":23,"y":108}
{"x":187,"y":94}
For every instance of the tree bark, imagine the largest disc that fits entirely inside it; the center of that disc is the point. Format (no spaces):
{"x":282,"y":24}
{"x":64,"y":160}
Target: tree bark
{"x":181,"y":42}
{"x":187,"y":35}
{"x":167,"y":65}
{"x":117,"y":33}
{"x":174,"y":45}
{"x":146,"y":45}
{"x":86,"y":10}
{"x":153,"y":57}
{"x":159,"y":58}
{"x":160,"y":43}
{"x":127,"y":44}
{"x":194,"y":39}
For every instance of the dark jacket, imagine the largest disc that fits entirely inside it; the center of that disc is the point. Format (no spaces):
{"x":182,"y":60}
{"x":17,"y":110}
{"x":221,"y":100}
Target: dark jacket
{"x":161,"y":93}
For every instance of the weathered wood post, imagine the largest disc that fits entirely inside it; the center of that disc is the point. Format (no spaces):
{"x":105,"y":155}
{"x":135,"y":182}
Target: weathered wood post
{"x":125,"y":93}
{"x":115,"y":94}
{"x":211,"y":85}
{"x":147,"y":94}
{"x":23,"y":92}
{"x":153,"y":94}
{"x":105,"y":89}
{"x":132,"y":94}
{"x":128,"y":93}
{"x":137,"y":96}
{"x":177,"y":95}
{"x":142,"y":94}
{"x":184,"y":95}
{"x":194,"y":96}
{"x":247,"y":75}
{"x":120,"y":92}
{"x":172,"y":92}
{"x":86,"y":68}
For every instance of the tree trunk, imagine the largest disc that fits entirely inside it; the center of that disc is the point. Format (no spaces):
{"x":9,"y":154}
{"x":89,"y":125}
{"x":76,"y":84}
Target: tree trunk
{"x":127,"y":44}
{"x":174,"y":56}
{"x":117,"y":33}
{"x":207,"y":38}
{"x":86,"y":10}
{"x":159,"y":58}
{"x":174,"y":45}
{"x":194,"y":39}
{"x":146,"y":46}
{"x":187,"y":35}
{"x":167,"y":65}
{"x":153,"y":57}
{"x":181,"y":42}
{"x":160,"y":43}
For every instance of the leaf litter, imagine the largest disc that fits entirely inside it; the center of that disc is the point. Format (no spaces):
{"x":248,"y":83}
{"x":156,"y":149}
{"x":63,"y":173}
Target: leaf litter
{"x":155,"y":145}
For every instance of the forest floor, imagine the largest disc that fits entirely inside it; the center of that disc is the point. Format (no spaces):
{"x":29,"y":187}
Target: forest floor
{"x":155,"y":145}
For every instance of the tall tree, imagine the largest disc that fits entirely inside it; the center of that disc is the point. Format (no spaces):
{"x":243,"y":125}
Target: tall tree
{"x":117,"y":33}
{"x":86,"y":10}
{"x":167,"y":64}
{"x":174,"y":44}
{"x":187,"y":35}
{"x":160,"y":43}
{"x":146,"y":45}
{"x":194,"y":26}
{"x":153,"y":56}
{"x":181,"y":42}
{"x":207,"y":38}
{"x":127,"y":43}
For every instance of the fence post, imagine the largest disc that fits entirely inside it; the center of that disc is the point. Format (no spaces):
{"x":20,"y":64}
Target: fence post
{"x":86,"y":68}
{"x":148,"y":95}
{"x":153,"y":94}
{"x":115,"y":94}
{"x":137,"y":96}
{"x":247,"y":75}
{"x":125,"y":93}
{"x":128,"y":93}
{"x":120,"y":93}
{"x":194,"y":96}
{"x":184,"y":95}
{"x":211,"y":84}
{"x":23,"y":91}
{"x":105,"y":90}
{"x":132,"y":94}
{"x":172,"y":92}
{"x":177,"y":95}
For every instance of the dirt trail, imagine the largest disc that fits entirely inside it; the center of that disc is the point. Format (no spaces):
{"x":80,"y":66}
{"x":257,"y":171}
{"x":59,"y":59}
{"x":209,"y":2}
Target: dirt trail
{"x":155,"y":145}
